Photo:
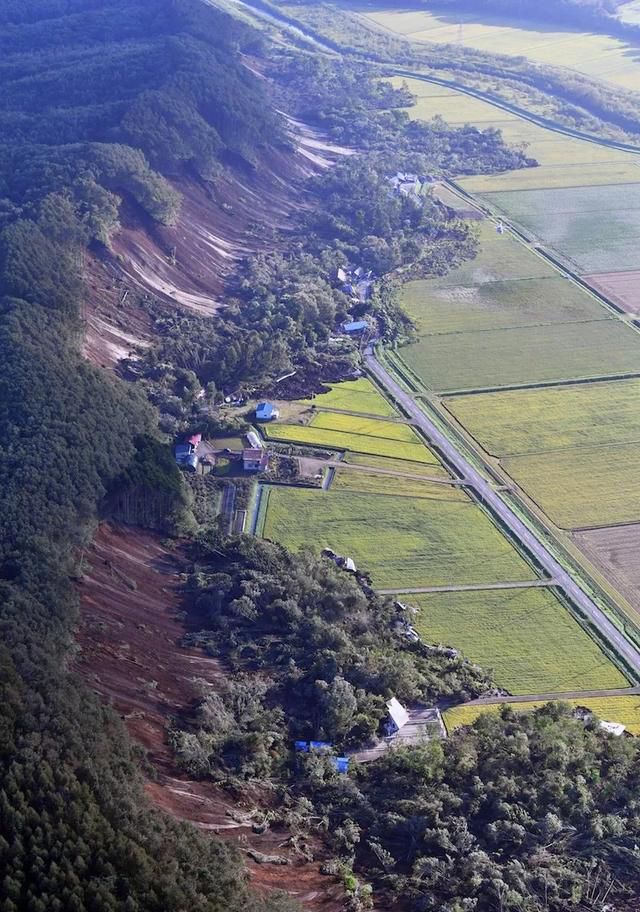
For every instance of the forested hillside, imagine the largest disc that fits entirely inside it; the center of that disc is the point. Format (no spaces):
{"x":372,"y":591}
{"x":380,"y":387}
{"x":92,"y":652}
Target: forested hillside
{"x":75,"y":831}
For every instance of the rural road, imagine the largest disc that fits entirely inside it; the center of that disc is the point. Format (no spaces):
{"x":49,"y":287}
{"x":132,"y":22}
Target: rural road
{"x":511,"y":521}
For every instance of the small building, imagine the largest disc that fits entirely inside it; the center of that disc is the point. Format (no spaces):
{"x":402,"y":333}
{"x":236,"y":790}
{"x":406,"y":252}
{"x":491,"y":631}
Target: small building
{"x":255,"y":460}
{"x":341,"y":275}
{"x":613,"y":728}
{"x":356,"y":327}
{"x":398,"y":716}
{"x":265,"y":411}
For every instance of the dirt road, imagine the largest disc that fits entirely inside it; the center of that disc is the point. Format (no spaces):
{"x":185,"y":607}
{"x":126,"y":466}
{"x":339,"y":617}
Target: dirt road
{"x":491,"y":498}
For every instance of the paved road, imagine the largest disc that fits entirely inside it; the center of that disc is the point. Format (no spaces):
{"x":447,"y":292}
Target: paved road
{"x":507,"y":516}
{"x":478,"y":587}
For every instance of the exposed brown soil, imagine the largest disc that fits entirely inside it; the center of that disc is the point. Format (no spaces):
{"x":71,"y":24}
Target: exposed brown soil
{"x":614,"y":551}
{"x":131,"y":624}
{"x":623,"y":288}
{"x":186,"y":265}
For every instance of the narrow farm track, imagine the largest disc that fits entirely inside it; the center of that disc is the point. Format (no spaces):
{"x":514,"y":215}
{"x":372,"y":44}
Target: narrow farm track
{"x":471,"y":587}
{"x":563,"y":695}
{"x":491,"y":498}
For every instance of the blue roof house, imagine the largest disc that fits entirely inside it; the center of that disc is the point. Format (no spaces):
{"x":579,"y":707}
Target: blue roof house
{"x":265,"y":411}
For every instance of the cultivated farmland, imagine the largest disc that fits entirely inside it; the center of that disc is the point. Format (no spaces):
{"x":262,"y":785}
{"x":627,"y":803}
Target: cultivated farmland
{"x":372,"y":483}
{"x":417,"y":542}
{"x":615,"y":552}
{"x":338,"y":440}
{"x":354,"y":396}
{"x":515,"y":422}
{"x":598,"y":228}
{"x":599,"y":56}
{"x":623,"y":288}
{"x":496,"y":305}
{"x":533,"y":354}
{"x":612,"y":709}
{"x":397,"y":465}
{"x":369,"y":427}
{"x":589,"y":486}
{"x":526,"y":636}
{"x":351,"y":432}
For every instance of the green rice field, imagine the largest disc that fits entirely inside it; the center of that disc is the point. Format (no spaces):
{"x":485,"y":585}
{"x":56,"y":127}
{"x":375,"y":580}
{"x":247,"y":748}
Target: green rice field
{"x":372,"y":483}
{"x":496,"y":305}
{"x":305,"y":435}
{"x":597,"y":228}
{"x":354,"y":396}
{"x":532,"y":354}
{"x":612,"y":709}
{"x":584,"y":487}
{"x":598,"y":56}
{"x":368,"y":427}
{"x":517,"y":422}
{"x":526,"y":636}
{"x":417,"y":542}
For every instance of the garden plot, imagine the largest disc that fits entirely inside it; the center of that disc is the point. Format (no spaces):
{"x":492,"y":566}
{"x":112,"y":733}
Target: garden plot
{"x":496,"y":305}
{"x":517,"y":422}
{"x":384,"y":485}
{"x":615,"y":552}
{"x":580,"y":488}
{"x":625,"y":710}
{"x":403,"y":542}
{"x":354,"y":396}
{"x":597,"y":228}
{"x":527,"y":355}
{"x":526,"y":636}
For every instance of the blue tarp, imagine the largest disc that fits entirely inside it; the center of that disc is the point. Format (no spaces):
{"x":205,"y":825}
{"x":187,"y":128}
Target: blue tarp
{"x":341,"y":764}
{"x":359,"y":326}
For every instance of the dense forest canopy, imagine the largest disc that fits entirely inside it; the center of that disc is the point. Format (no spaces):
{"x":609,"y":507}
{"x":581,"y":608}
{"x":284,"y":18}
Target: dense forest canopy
{"x":98,"y":97}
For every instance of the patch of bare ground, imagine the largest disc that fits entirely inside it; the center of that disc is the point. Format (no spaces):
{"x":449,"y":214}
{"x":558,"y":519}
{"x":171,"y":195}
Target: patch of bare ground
{"x":614,"y":550}
{"x":116,"y":326}
{"x":131,"y":623}
{"x":622,"y":288}
{"x":186,"y":265}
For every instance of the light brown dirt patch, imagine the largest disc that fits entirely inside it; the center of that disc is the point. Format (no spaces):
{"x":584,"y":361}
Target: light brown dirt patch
{"x":622,"y":288}
{"x":615,"y":551}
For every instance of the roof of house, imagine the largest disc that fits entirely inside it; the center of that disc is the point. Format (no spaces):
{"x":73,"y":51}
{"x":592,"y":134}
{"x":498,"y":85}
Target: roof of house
{"x":253,"y":453}
{"x":614,"y":728}
{"x":264,"y":410}
{"x":356,"y":326}
{"x":195,"y":439}
{"x":397,"y":712}
{"x":183,"y":449}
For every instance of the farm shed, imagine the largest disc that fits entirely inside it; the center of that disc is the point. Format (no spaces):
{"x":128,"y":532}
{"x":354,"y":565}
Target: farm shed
{"x":357,"y":326}
{"x":265,"y":411}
